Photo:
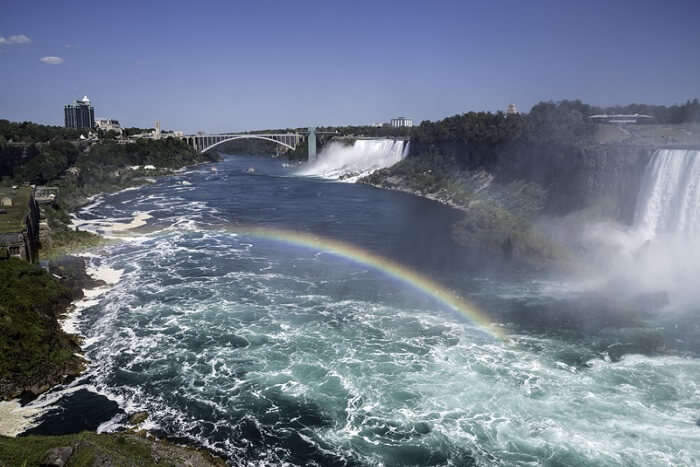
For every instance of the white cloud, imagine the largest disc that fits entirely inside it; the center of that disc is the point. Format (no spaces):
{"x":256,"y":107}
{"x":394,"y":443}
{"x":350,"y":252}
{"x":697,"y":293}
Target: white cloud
{"x":51,"y":60}
{"x":16,"y":39}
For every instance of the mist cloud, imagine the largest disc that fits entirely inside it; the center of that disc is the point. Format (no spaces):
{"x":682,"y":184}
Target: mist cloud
{"x":51,"y":60}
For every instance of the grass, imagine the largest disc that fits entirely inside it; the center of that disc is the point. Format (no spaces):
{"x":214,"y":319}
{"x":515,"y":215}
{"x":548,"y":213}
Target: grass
{"x":13,"y":219}
{"x":124,"y":449}
{"x":64,"y":242}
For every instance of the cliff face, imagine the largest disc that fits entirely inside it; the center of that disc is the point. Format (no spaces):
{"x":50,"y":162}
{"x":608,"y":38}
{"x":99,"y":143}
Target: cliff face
{"x":574,"y":177}
{"x":605,"y":175}
{"x":32,"y":230}
{"x":19,"y":224}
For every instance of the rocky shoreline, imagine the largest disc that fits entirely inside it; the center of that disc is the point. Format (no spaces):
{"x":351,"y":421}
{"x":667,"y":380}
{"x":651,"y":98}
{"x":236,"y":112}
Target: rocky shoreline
{"x":39,"y":354}
{"x":110,"y":449}
{"x":68,"y":273}
{"x":441,"y":196}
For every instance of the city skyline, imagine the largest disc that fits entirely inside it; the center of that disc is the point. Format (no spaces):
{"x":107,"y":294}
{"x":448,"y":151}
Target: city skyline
{"x":220,"y":67}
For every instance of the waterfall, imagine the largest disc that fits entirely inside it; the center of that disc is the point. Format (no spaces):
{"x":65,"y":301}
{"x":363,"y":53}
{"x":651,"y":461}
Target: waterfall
{"x":341,"y":161}
{"x":669,"y":196}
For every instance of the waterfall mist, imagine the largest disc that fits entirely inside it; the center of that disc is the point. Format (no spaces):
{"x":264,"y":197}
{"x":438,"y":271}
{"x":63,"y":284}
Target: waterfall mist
{"x":350,"y":162}
{"x":660,"y":253}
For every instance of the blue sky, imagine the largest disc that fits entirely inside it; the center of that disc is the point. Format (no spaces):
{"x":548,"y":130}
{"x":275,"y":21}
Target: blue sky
{"x":228,"y":65}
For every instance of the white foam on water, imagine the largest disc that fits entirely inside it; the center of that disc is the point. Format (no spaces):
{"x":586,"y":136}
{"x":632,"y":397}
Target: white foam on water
{"x":139,"y":219}
{"x":71,"y":322}
{"x":104,"y":273}
{"x":113,"y":228}
{"x":15,"y":419}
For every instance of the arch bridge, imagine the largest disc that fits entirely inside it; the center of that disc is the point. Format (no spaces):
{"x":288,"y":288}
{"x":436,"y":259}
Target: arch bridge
{"x":205,"y":142}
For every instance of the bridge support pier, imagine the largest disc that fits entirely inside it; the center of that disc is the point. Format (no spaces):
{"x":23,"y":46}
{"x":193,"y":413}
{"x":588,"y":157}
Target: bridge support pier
{"x":312,"y":144}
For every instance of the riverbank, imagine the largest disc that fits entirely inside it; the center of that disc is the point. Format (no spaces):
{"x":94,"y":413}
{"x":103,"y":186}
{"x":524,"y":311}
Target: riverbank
{"x":40,"y":345}
{"x":35,"y":353}
{"x":498,"y":218}
{"x":35,"y":302}
{"x":100,"y":449}
{"x":394,"y":183}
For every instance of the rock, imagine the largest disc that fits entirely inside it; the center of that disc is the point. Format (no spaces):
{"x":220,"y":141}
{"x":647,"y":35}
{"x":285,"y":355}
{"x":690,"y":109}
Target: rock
{"x":57,"y":457}
{"x":39,"y":388}
{"x":138,"y":417}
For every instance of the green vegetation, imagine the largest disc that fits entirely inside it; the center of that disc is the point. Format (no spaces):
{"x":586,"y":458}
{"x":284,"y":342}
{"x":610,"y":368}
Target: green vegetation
{"x":115,"y":449}
{"x":30,"y":133}
{"x":34,"y":352}
{"x":65,"y":241}
{"x":109,"y":167}
{"x":13,"y":218}
{"x":131,"y":131}
{"x":40,"y":154}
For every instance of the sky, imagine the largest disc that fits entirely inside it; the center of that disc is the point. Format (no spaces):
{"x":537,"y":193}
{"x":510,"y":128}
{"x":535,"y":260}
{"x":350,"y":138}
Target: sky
{"x":241,"y":65}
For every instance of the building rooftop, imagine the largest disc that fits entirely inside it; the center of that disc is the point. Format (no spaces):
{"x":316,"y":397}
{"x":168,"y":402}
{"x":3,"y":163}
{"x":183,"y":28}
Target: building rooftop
{"x":12,"y":220}
{"x":625,"y":116}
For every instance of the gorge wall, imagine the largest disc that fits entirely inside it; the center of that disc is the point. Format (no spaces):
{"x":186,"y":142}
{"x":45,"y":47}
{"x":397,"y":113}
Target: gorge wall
{"x":573,"y":176}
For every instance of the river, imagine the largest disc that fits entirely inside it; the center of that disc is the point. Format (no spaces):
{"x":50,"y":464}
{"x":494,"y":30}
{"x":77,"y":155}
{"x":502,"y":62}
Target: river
{"x":277,"y":318}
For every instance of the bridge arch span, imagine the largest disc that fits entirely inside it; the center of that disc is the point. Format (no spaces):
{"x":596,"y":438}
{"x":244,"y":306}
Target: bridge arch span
{"x":251,"y":136}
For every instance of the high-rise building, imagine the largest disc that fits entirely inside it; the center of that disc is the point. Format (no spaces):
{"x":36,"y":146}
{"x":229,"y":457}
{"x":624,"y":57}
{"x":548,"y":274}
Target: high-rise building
{"x":80,"y":114}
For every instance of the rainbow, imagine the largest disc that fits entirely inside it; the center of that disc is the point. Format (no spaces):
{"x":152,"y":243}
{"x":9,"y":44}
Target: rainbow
{"x":393,"y":269}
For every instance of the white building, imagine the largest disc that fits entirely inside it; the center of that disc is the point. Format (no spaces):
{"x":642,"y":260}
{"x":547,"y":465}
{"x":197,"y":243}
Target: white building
{"x":401,"y":122}
{"x":621,"y":118}
{"x":108,"y":124}
{"x":512,"y":110}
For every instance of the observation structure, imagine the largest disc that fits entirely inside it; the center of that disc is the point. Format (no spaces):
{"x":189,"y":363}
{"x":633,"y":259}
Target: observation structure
{"x":401,"y":122}
{"x":621,"y":118}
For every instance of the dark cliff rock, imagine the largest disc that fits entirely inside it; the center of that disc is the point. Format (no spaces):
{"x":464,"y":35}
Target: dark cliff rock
{"x":578,"y":177}
{"x":574,"y":176}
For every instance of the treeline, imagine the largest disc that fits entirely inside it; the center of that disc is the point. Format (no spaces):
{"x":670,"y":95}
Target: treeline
{"x":683,"y":113}
{"x":163,"y":153}
{"x":51,"y":156}
{"x":37,"y":163}
{"x":480,"y":139}
{"x":28,"y":132}
{"x":369,"y":131}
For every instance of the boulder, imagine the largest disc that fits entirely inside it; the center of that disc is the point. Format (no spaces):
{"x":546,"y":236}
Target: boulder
{"x":57,"y":457}
{"x":138,"y":417}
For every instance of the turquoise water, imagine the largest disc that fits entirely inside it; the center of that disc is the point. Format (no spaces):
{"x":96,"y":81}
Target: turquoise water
{"x":270,"y":353}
